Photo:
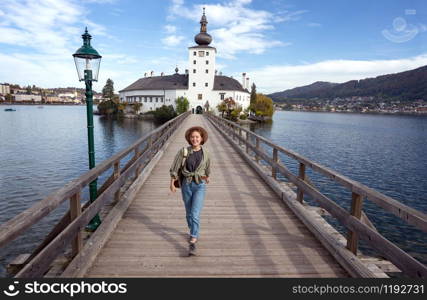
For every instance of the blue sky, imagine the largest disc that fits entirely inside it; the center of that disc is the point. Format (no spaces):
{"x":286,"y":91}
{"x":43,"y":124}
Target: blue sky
{"x":280,"y":44}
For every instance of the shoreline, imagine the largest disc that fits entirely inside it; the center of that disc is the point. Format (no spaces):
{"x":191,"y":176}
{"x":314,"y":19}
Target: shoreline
{"x":39,"y":104}
{"x":361,"y":113}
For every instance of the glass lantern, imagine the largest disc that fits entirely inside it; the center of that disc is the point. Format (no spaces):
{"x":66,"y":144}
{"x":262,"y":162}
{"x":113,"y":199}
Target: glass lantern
{"x":87,"y":60}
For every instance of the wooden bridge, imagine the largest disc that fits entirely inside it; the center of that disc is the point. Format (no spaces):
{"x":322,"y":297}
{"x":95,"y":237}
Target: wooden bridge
{"x":252,"y":224}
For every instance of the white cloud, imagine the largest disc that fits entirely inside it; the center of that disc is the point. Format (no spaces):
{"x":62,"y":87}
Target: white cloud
{"x":43,"y":35}
{"x":235,"y":28}
{"x":313,"y":24}
{"x":170,"y":29}
{"x":285,"y":16}
{"x":120,"y":59}
{"x":100,"y":1}
{"x":172,"y":40}
{"x":271,"y":79}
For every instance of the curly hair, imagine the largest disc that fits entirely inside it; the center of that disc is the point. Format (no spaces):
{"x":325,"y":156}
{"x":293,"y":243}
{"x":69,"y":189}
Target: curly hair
{"x":203,"y":133}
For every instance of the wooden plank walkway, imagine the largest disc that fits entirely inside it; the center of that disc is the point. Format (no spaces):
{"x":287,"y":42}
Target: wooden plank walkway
{"x":246,"y":231}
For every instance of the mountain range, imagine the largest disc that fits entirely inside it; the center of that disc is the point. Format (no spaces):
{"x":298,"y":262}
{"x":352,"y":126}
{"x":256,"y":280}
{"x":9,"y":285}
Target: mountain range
{"x":404,"y":86}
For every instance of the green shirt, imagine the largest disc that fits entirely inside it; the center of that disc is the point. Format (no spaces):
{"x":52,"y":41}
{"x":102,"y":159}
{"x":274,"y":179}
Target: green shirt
{"x":202,"y":170}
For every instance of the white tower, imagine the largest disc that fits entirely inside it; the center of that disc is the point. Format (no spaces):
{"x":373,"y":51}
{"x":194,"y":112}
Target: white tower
{"x":201,"y":71}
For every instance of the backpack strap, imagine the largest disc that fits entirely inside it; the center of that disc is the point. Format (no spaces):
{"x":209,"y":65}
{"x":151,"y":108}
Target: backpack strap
{"x":185,"y":154}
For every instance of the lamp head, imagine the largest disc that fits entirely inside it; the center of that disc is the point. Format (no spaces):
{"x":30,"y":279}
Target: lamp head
{"x":87,"y":60}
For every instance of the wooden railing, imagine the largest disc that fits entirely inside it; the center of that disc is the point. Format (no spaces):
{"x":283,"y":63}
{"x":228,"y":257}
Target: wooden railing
{"x":68,"y":231}
{"x":355,"y":221}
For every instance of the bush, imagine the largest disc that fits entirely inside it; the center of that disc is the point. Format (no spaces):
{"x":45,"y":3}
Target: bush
{"x":108,"y":107}
{"x":263,"y":106}
{"x":243,"y":117}
{"x":182,"y":105}
{"x":164,"y":113}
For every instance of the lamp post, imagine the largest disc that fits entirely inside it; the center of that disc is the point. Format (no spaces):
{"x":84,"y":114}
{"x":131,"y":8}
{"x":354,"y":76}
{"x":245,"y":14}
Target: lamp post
{"x":87,"y":61}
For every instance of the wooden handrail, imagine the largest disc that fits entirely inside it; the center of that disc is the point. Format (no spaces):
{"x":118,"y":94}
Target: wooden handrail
{"x":404,"y":212}
{"x":17,"y":225}
{"x":41,"y":262}
{"x":354,"y":221}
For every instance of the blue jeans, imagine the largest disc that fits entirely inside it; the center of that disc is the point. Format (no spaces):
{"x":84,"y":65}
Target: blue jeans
{"x":193,"y":195}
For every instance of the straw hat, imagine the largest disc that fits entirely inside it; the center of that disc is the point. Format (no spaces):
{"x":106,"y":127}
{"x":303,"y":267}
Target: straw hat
{"x":203,"y":132}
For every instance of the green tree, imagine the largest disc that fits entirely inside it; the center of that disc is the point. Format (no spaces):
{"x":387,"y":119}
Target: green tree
{"x":28,"y":88}
{"x":108,"y":90}
{"x":164,"y":113}
{"x":182,"y":105}
{"x":253,"y":98}
{"x":231,"y":105}
{"x":263,"y":106}
{"x":137,"y":107}
{"x":234,"y":114}
{"x":108,"y":107}
{"x":222,"y":107}
{"x":9,"y":98}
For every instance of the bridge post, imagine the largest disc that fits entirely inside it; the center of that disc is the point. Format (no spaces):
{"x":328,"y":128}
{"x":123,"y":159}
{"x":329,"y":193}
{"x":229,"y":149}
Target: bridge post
{"x":240,"y":137}
{"x":247,"y":142}
{"x":136,"y":155}
{"x":116,"y":174}
{"x":75,"y":211}
{"x":301,"y":175}
{"x":356,"y":211}
{"x":257,"y":147}
{"x":150,"y":144}
{"x":276,"y":160}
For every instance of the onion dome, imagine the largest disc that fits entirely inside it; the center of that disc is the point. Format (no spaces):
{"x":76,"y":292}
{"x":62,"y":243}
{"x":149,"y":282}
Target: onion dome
{"x":203,"y":38}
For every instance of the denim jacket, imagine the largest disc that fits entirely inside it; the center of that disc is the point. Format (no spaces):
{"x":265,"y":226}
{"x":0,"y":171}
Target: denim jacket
{"x":202,"y":170}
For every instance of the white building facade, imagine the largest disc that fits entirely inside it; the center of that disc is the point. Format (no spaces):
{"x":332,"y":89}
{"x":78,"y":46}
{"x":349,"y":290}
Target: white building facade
{"x":25,"y":97}
{"x":200,"y":84}
{"x":4,"y":89}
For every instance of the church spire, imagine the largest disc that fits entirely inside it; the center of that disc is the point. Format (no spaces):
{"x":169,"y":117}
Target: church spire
{"x":203,"y":38}
{"x":203,"y":22}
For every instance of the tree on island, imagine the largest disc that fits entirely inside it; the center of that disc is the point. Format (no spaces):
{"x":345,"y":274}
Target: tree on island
{"x":111,"y":105}
{"x":253,"y":98}
{"x":108,"y":90}
{"x":263,"y":106}
{"x":182,"y":105}
{"x":164,"y":113}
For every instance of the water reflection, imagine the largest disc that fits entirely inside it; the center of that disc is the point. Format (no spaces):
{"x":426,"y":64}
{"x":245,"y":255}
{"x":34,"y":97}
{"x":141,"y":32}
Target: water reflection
{"x":42,"y":150}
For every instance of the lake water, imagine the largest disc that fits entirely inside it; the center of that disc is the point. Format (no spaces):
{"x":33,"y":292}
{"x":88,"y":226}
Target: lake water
{"x":42,"y":149}
{"x":385,"y":152}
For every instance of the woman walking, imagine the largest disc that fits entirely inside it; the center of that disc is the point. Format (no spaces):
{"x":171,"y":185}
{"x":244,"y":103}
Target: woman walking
{"x":191,"y":167}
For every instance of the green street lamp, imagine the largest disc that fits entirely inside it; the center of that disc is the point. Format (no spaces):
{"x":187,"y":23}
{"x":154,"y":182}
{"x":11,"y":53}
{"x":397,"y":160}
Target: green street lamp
{"x":87,"y":61}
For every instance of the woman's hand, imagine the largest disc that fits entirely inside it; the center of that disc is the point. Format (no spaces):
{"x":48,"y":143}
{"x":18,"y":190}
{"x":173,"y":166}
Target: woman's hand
{"x":172,"y":186}
{"x":207,"y":179}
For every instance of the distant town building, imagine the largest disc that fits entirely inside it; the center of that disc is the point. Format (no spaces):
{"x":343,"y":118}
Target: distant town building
{"x":200,"y":84}
{"x":19,"y":91}
{"x":4,"y":89}
{"x":25,"y":97}
{"x":51,"y":99}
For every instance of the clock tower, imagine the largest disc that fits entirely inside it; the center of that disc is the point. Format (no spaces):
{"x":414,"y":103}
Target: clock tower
{"x":201,"y":71}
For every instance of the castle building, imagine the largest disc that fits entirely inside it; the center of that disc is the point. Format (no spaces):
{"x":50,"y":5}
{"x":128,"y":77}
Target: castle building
{"x":200,"y":84}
